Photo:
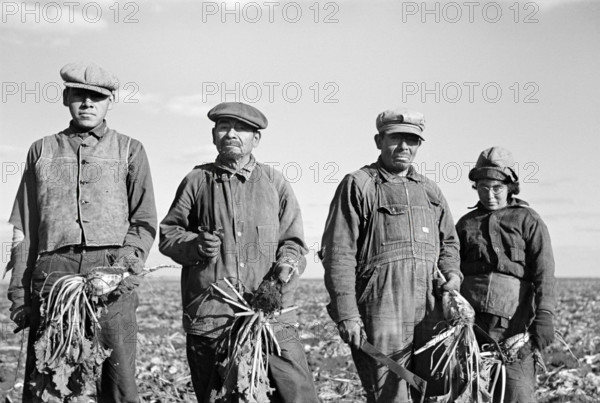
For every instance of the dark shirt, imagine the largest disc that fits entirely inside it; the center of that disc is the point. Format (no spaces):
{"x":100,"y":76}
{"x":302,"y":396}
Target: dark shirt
{"x":24,"y":216}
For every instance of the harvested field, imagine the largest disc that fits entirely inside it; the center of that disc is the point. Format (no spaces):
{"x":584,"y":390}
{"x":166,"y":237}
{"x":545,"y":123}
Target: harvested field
{"x":163,"y":375}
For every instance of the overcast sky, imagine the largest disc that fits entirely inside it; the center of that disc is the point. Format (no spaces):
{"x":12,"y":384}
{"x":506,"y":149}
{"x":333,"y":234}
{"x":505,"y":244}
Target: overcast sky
{"x":519,"y":75}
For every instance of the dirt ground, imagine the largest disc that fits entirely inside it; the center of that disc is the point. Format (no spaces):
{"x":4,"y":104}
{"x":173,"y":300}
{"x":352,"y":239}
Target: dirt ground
{"x":163,"y":374}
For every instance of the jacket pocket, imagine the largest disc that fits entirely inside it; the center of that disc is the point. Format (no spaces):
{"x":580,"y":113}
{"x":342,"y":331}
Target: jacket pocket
{"x":395,"y":223}
{"x":424,"y":229}
{"x":517,"y":255}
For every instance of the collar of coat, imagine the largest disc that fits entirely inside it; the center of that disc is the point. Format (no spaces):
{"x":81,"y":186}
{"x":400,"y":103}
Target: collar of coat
{"x":244,"y":172}
{"x":98,"y":131}
{"x":512,"y":202}
{"x":388,"y":176}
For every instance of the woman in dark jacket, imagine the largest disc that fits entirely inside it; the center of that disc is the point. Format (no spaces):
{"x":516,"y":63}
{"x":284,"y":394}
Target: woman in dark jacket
{"x":507,"y":261}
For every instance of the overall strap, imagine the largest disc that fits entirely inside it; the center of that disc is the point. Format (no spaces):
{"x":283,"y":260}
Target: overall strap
{"x":367,"y":177}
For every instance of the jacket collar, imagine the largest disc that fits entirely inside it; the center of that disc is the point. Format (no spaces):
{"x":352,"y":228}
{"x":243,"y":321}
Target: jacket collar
{"x":387,"y":176}
{"x":244,"y":172}
{"x":98,"y":131}
{"x":513,"y":202}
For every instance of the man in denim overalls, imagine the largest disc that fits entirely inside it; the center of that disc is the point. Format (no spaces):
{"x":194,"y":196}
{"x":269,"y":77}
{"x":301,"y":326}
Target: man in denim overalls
{"x":387,"y":230}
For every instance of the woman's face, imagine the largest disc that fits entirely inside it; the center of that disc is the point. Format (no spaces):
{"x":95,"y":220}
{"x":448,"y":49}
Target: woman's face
{"x":493,"y":194}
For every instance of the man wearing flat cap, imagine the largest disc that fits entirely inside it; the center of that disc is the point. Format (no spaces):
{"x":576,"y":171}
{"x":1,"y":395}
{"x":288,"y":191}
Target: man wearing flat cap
{"x":388,"y":229}
{"x":508,"y":264}
{"x":237,"y":220}
{"x":85,"y":200}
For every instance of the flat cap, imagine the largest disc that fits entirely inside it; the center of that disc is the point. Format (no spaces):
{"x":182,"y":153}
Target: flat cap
{"x":401,"y":120}
{"x":494,"y":163}
{"x":89,"y":76}
{"x":240,"y":111}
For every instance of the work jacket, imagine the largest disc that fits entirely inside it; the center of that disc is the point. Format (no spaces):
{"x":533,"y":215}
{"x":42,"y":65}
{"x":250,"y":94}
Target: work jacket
{"x":507,"y":260}
{"x":261,"y":222}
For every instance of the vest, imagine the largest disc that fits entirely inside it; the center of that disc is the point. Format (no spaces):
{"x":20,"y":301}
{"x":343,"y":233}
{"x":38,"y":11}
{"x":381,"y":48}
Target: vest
{"x":82,"y":197}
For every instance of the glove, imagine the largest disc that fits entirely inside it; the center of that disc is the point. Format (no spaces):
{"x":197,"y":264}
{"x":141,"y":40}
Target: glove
{"x":127,"y":285}
{"x":209,"y":244}
{"x":352,"y":331}
{"x":451,"y":284}
{"x":20,"y":316}
{"x":542,"y":329}
{"x":285,"y":269}
{"x":127,"y":259}
{"x":131,"y":263}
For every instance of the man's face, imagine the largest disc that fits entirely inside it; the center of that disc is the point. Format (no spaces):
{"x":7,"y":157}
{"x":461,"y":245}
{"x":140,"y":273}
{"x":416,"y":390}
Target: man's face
{"x":234,"y":139}
{"x":398,"y":150}
{"x":88,"y":108}
{"x":493,"y":194}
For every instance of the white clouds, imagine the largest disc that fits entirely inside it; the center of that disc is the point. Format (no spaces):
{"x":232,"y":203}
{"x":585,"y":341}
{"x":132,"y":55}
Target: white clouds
{"x":185,"y":105}
{"x":147,"y":102}
{"x":198,"y":154}
{"x":188,"y":105}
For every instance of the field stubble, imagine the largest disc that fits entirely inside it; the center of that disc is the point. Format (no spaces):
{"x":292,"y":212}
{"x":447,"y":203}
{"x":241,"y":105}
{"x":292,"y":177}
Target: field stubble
{"x":163,"y":375}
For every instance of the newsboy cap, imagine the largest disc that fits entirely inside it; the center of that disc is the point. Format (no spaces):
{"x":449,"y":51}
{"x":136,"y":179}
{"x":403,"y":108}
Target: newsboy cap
{"x":494,"y":163}
{"x":89,"y":76}
{"x":240,"y":111}
{"x":401,"y":120}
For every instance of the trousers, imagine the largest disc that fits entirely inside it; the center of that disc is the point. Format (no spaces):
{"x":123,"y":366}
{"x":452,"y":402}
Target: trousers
{"x":288,"y":373}
{"x":118,"y":324}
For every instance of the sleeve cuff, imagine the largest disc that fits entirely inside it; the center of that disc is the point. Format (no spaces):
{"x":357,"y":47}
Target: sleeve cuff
{"x":447,"y":272}
{"x":546,"y":307}
{"x":18,"y":298}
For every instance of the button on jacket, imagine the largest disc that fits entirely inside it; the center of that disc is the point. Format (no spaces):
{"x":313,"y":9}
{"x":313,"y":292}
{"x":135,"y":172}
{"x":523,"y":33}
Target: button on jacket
{"x":122,"y":188}
{"x":507,"y":261}
{"x":261,"y":220}
{"x":82,"y":195}
{"x":513,"y":242}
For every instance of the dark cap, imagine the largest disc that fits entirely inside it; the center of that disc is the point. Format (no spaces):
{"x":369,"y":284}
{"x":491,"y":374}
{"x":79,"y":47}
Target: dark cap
{"x":240,"y":111}
{"x":89,"y":76}
{"x":401,"y":120}
{"x":494,"y":163}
